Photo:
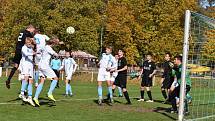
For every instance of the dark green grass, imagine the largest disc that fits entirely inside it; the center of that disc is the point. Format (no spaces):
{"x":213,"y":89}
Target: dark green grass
{"x":82,"y":106}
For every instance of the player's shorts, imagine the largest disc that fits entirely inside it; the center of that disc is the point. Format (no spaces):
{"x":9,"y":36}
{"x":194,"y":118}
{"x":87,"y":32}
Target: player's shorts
{"x":18,"y":56}
{"x":121,"y":80}
{"x":166,"y":84}
{"x":146,"y":82}
{"x":27,"y":70}
{"x":37,"y":58}
{"x":113,"y":76}
{"x":103,"y":75}
{"x":47,"y":72}
{"x":69,"y":76}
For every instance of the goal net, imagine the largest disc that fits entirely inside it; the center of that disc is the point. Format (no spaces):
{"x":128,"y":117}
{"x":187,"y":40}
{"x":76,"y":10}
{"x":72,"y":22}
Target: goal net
{"x":199,"y":61}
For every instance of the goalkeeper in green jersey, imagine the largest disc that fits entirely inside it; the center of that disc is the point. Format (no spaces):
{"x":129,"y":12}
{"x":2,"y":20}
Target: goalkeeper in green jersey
{"x":175,"y":88}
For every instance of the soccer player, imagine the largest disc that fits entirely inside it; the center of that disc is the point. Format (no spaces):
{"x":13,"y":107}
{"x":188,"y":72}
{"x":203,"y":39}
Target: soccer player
{"x":40,"y":40}
{"x":46,"y":71}
{"x":18,"y":54}
{"x":27,"y":70}
{"x":70,"y":67}
{"x":148,"y":71}
{"x":175,"y":87}
{"x":56,"y":64}
{"x":105,"y":65}
{"x":113,"y":79}
{"x":122,"y":75}
{"x":167,"y":78}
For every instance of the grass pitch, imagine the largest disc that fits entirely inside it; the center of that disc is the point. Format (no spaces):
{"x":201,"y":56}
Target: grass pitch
{"x":82,"y":106}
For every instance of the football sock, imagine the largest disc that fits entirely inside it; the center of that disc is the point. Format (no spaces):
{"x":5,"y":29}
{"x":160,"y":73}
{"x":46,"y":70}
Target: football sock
{"x":23,"y":87}
{"x":36,"y":77}
{"x":120,"y":91}
{"x":142,"y":94}
{"x":67,"y":89}
{"x":39,"y":89}
{"x":110,"y":91}
{"x":100,"y":92}
{"x":149,"y":95}
{"x":127,"y":96}
{"x":30,"y":89}
{"x":12,"y":73}
{"x":52,"y":87}
{"x":70,"y":89}
{"x":164,"y":94}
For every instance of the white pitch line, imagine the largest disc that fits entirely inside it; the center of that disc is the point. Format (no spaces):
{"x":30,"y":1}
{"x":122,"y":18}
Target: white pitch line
{"x":59,"y":100}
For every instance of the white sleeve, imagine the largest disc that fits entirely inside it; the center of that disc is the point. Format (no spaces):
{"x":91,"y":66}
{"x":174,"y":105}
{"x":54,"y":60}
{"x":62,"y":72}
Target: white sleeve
{"x":50,"y":50}
{"x":46,"y":37}
{"x":73,"y":61}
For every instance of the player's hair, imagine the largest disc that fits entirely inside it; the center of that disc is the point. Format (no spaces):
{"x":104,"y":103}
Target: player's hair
{"x":178,"y":57}
{"x":110,"y":47}
{"x":168,"y":53}
{"x":149,"y":53}
{"x":28,"y":39}
{"x":29,"y":26}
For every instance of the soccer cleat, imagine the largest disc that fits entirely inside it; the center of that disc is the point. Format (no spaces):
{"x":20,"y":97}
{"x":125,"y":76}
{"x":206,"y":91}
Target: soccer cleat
{"x":36,"y":101}
{"x":70,"y":94}
{"x":51,"y":97}
{"x":140,"y":100}
{"x":111,"y":100}
{"x":100,"y":101}
{"x":31,"y":101}
{"x":149,"y":101}
{"x":120,"y":95}
{"x":22,"y":96}
{"x":7,"y":84}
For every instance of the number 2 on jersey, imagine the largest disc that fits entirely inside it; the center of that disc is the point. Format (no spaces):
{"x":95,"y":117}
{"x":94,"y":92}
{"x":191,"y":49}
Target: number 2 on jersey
{"x":20,"y":37}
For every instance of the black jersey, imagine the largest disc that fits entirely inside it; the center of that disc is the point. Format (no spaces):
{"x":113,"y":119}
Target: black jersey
{"x":167,"y":66}
{"x":148,"y":68}
{"x":122,"y":62}
{"x":21,"y":39}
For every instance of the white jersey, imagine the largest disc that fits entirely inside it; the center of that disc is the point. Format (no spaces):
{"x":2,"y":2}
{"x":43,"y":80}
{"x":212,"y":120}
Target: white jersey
{"x":68,"y":64}
{"x":47,"y":52}
{"x":27,"y":55}
{"x":40,"y":40}
{"x":41,"y":43}
{"x":106,"y":61}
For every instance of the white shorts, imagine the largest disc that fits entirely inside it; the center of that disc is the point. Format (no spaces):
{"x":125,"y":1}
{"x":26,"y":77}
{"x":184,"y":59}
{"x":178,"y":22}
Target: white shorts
{"x":37,"y":58}
{"x":47,"y":72}
{"x":69,"y":76}
{"x":27,"y":70}
{"x":103,"y":75}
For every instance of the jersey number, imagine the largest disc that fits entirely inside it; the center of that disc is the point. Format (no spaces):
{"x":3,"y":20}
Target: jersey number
{"x":37,"y":40}
{"x":20,"y":37}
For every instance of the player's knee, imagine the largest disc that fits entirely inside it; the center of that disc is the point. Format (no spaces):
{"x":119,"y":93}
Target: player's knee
{"x":142,"y":88}
{"x":147,"y":88}
{"x":124,"y":89}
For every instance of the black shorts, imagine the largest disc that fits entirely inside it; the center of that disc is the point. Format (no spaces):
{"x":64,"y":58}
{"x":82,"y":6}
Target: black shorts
{"x":57,"y":73}
{"x":18,"y":56}
{"x":121,"y":80}
{"x":146,"y":82}
{"x":167,"y":82}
